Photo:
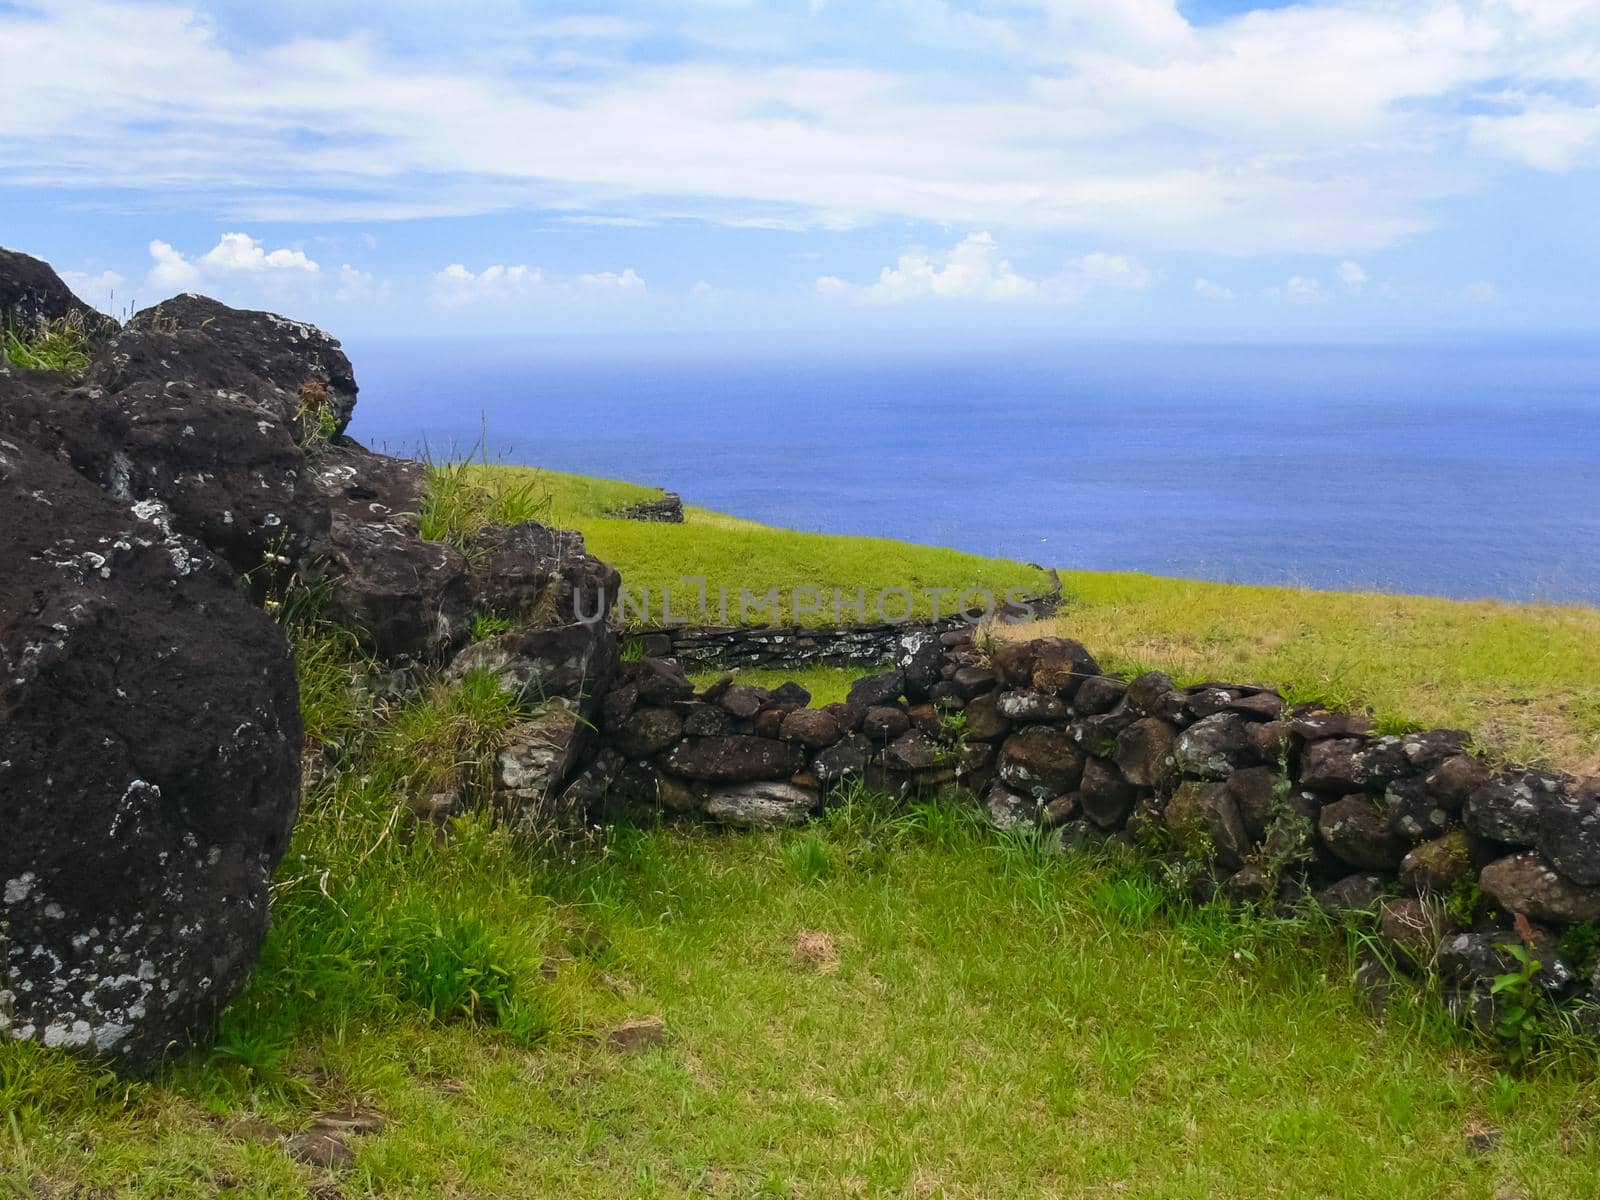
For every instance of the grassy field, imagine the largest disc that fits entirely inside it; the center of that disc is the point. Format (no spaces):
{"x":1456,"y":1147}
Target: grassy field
{"x":890,"y":1003}
{"x":1525,"y":679}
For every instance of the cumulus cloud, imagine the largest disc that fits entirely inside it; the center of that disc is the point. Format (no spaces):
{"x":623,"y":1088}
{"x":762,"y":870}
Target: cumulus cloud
{"x":1298,"y":289}
{"x":974,"y":270}
{"x":456,"y":285}
{"x":234,"y":254}
{"x":1353,"y":275}
{"x":1207,"y":290}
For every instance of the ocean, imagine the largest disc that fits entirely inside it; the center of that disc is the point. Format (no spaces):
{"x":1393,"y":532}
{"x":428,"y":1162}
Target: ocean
{"x":1452,"y":470}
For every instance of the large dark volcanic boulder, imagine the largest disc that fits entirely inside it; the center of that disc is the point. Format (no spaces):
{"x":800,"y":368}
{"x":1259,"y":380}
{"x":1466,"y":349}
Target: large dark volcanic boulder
{"x":149,"y":768}
{"x":404,"y":597}
{"x":268,"y":358}
{"x":32,"y":295}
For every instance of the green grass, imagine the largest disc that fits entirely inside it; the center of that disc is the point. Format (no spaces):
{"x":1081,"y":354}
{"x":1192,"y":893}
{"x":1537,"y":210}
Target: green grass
{"x":887,"y":1004}
{"x":1524,"y":679}
{"x":60,"y":347}
{"x":734,"y":554}
{"x":826,"y":684}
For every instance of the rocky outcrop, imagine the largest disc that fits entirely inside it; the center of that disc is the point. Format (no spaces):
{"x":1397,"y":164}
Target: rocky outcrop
{"x":149,"y":768}
{"x":32,"y":296}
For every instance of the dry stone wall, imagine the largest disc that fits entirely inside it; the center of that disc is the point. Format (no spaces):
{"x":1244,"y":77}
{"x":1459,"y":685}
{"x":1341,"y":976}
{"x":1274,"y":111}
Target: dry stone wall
{"x":1256,"y":799}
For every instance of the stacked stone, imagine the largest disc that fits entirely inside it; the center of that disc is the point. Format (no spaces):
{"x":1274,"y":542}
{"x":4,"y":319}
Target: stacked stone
{"x":1260,"y":799}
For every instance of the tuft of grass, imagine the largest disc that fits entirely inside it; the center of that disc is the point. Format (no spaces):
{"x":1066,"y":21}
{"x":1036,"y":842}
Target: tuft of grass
{"x":61,"y":346}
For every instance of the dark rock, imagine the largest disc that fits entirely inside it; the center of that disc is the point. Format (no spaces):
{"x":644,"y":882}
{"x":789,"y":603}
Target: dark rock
{"x":1353,"y":893}
{"x":539,"y":753}
{"x":704,"y":720}
{"x":984,"y":720}
{"x":812,"y":727}
{"x":1319,"y":726}
{"x":1479,"y":957}
{"x":648,"y":731}
{"x":1352,"y":764}
{"x":1569,"y":837}
{"x":1526,"y":883}
{"x":268,"y":358}
{"x":913,"y":751}
{"x":877,"y":691}
{"x":1209,"y":699}
{"x":926,"y":718}
{"x":1098,"y":694}
{"x":1145,"y":752}
{"x":919,"y":657}
{"x":661,"y":682}
{"x":1060,"y":665}
{"x":765,"y":805}
{"x":1270,"y":739}
{"x":1430,"y":748}
{"x":536,"y":665}
{"x":1414,"y":813}
{"x":32,"y":295}
{"x":1439,"y":866}
{"x":618,"y":705}
{"x":1255,"y":793}
{"x":149,"y":769}
{"x":849,"y":716}
{"x":1357,"y":832}
{"x":530,"y":572}
{"x":1008,"y":809}
{"x":1213,"y":747}
{"x":1250,"y":884}
{"x":668,"y":510}
{"x":1097,"y":735}
{"x":1104,"y":795}
{"x":1456,"y":778}
{"x":768,"y":723}
{"x":970,"y":682}
{"x":677,"y":796}
{"x":1041,"y":762}
{"x":884,"y":724}
{"x":1508,"y":808}
{"x":1152,"y":695}
{"x":944,"y":696}
{"x":846,"y":759}
{"x":1205,"y":822}
{"x":1025,"y":706}
{"x":1058,"y":812}
{"x":733,"y":759}
{"x":1013,"y":663}
{"x":405,"y":598}
{"x":743,"y":701}
{"x":788,"y":696}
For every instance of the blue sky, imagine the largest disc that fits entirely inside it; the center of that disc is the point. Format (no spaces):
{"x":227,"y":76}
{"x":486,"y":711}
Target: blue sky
{"x":1354,"y":167}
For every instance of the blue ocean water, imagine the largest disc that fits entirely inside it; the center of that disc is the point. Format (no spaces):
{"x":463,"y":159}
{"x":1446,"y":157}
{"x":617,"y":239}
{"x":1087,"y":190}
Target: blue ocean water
{"x":1459,"y":470}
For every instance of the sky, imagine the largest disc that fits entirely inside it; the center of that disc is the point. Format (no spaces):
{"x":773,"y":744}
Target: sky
{"x":1172,"y":168}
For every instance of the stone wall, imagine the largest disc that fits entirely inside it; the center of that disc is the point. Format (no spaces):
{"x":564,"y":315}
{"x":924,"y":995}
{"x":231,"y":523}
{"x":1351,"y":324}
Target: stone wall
{"x":791,"y":646}
{"x":1254,"y":798}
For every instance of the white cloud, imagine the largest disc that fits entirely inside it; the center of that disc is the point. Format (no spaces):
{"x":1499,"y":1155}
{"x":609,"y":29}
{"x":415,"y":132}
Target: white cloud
{"x":1333,"y":127}
{"x":1298,"y":289}
{"x":104,"y":291}
{"x":1353,"y":275}
{"x":1207,"y":290}
{"x":455,"y":285}
{"x":355,"y":285}
{"x":241,"y":252}
{"x":1480,"y":292}
{"x":973,"y":270}
{"x":172,"y":272}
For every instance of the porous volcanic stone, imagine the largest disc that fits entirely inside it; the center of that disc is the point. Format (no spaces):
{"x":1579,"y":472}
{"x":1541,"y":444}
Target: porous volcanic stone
{"x":1356,"y":830}
{"x":1041,"y":762}
{"x":733,"y":759}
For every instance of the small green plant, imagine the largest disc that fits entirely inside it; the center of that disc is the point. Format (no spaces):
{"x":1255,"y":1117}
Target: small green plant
{"x":489,"y":625}
{"x":316,"y":417}
{"x":632,"y":650}
{"x":1519,"y":1019}
{"x":465,"y":496}
{"x":60,"y":346}
{"x":808,"y":857}
{"x":450,"y":965}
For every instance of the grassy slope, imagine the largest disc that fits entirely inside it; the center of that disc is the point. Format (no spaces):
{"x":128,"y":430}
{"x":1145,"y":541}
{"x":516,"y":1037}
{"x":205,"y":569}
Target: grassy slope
{"x":1524,"y":679}
{"x":1002,"y":1021}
